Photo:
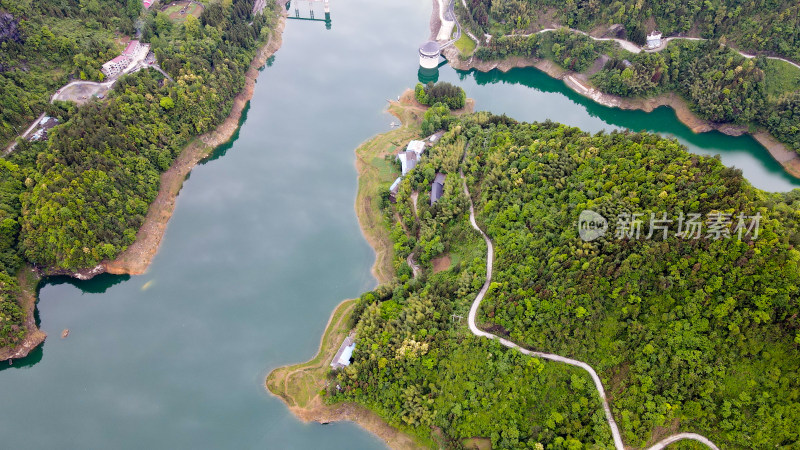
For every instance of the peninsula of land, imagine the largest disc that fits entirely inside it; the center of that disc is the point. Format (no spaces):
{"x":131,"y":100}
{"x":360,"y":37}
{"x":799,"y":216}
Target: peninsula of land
{"x":299,"y":385}
{"x":532,"y":336}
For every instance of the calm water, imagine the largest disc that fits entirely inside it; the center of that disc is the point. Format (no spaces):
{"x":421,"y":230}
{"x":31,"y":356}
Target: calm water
{"x":263,"y":244}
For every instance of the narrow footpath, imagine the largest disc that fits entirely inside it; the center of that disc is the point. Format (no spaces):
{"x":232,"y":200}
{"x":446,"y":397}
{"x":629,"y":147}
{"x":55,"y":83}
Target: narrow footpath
{"x":473,"y":327}
{"x":416,"y":270}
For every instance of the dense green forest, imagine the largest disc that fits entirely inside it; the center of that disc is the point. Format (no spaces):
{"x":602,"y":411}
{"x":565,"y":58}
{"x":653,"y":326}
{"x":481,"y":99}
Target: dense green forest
{"x":771,"y":26}
{"x":80,"y":197}
{"x":570,"y":50}
{"x":687,"y":334}
{"x":719,"y":84}
{"x":45,"y":42}
{"x":443,"y":92}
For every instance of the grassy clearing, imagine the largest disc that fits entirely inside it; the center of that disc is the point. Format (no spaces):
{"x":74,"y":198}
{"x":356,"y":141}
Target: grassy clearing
{"x":174,"y":11}
{"x":299,"y":384}
{"x":376,"y":173}
{"x":465,"y":45}
{"x":477,"y":443}
{"x":781,"y":77}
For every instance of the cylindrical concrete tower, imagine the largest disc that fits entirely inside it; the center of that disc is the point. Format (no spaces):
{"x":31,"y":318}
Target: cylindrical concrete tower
{"x":429,"y":55}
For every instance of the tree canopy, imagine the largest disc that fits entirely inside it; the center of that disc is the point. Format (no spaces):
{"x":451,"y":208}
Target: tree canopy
{"x":79,"y":197}
{"x":696,"y":335}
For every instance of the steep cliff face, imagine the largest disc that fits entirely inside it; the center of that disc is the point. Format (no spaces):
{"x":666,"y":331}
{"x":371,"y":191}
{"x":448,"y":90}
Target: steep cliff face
{"x":9,"y":28}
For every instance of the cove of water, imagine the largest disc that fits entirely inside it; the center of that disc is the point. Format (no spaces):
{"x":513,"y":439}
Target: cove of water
{"x":262,"y":246}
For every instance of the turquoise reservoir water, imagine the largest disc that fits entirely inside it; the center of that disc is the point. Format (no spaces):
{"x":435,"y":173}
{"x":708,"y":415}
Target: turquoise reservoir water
{"x":263,"y":244}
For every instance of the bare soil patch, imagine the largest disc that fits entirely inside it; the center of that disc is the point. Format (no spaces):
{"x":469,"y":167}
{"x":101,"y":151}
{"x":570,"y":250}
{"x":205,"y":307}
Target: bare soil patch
{"x":441,"y":263}
{"x":81,"y":93}
{"x":178,"y":11}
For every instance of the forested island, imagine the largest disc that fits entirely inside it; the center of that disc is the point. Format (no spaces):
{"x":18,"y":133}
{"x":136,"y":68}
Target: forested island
{"x":697,"y":335}
{"x":719,"y":85}
{"x":81,"y":196}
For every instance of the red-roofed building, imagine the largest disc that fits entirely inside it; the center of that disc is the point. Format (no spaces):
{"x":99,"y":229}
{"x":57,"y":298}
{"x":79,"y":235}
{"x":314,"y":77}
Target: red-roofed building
{"x":122,"y":61}
{"x":147,"y":3}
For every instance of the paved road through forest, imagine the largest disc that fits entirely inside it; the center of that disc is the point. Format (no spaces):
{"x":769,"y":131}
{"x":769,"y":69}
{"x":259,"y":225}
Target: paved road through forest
{"x":473,"y":327}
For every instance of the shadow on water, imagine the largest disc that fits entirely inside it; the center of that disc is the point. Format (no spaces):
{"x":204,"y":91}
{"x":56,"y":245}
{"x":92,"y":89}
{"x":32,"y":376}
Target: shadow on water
{"x":269,"y":63}
{"x":29,"y":361}
{"x":97,"y":285}
{"x":426,"y":76}
{"x":221,"y":150}
{"x":662,"y":120}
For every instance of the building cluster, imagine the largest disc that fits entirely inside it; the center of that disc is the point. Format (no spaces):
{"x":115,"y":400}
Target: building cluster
{"x":409,"y":158}
{"x":135,"y":51}
{"x":45,"y":125}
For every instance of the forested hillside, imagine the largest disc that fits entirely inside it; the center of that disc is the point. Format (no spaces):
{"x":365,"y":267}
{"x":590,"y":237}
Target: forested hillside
{"x":771,"y":26}
{"x":687,"y":334}
{"x":570,"y":50}
{"x":44,"y":42}
{"x":81,"y":196}
{"x":718,"y":83}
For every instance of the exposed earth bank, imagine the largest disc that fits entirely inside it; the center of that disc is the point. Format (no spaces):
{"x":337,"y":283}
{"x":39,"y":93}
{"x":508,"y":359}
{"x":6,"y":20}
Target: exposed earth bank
{"x":136,"y":258}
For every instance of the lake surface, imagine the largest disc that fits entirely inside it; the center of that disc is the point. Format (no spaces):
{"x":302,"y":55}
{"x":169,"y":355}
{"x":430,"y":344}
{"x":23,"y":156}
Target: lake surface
{"x":263,"y":245}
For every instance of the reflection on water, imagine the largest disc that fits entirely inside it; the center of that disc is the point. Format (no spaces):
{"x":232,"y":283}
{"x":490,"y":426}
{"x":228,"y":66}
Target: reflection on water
{"x":309,"y":10}
{"x":33,"y":357}
{"x":426,"y":76}
{"x":494,"y":91}
{"x":262,"y":246}
{"x":221,"y":150}
{"x":97,"y":285}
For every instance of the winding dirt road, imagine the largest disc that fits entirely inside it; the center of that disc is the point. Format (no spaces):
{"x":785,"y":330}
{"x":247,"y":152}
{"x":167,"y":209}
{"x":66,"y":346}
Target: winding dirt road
{"x":473,"y":327}
{"x":633,"y":48}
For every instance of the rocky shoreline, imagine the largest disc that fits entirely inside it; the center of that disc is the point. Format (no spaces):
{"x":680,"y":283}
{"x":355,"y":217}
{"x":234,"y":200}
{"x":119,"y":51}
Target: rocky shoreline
{"x":137,"y":257}
{"x":28,"y":279}
{"x":787,"y":158}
